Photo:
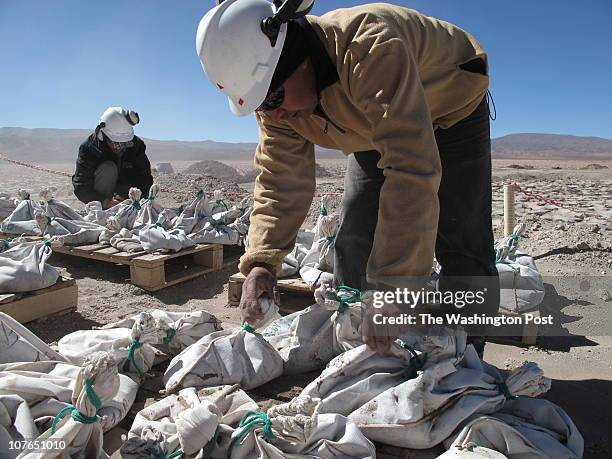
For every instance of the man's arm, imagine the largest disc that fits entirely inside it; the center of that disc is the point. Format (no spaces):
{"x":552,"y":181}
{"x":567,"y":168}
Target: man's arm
{"x":83,"y":178}
{"x":385,"y":84}
{"x":283,"y":192}
{"x":140,"y":175}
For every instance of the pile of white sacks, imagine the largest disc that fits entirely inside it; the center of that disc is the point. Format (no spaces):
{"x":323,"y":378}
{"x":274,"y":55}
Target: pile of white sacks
{"x":138,"y":224}
{"x":427,"y":391}
{"x":134,"y":225}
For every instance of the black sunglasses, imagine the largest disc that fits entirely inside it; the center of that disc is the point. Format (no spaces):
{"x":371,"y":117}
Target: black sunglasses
{"x":273,"y":100}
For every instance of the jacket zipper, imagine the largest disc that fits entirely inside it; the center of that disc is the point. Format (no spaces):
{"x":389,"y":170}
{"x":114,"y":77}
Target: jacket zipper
{"x":321,"y":113}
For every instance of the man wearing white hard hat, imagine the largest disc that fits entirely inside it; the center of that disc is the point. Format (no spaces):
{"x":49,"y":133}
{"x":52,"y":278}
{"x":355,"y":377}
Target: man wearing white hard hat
{"x":112,"y":160}
{"x":403,"y":95}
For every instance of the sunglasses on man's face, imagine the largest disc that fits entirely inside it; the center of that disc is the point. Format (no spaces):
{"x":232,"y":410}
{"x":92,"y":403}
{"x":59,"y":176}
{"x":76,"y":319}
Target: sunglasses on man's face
{"x":273,"y":100}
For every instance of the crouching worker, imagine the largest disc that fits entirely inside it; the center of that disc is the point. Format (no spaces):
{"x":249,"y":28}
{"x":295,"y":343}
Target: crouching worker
{"x":404,"y":96}
{"x":112,"y":160}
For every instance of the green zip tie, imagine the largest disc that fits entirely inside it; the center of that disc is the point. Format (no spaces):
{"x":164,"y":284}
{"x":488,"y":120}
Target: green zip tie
{"x":131,"y":349}
{"x":200,"y":193}
{"x":92,"y":396}
{"x":170,"y":334}
{"x":6,"y":242}
{"x":221,"y":202}
{"x":136,"y":205}
{"x":76,"y":414}
{"x":416,"y":361}
{"x":47,"y":242}
{"x":352,"y":295}
{"x":248,"y":421}
{"x":323,"y":211}
{"x":177,"y":453}
{"x":503,"y":390}
{"x":330,"y":238}
{"x":247,"y":327}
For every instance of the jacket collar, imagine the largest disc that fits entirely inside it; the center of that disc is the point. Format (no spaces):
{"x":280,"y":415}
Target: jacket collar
{"x":325,"y":70}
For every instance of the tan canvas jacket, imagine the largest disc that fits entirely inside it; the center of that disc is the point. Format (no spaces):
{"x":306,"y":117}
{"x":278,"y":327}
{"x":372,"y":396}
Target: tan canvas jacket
{"x":399,"y":79}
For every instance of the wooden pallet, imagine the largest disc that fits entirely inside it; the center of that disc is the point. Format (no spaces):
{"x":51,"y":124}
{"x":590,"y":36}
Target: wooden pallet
{"x":60,"y":298}
{"x":294,"y":285}
{"x":153,"y":272}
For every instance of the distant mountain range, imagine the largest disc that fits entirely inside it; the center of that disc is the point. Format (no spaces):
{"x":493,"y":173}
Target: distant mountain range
{"x":61,"y":145}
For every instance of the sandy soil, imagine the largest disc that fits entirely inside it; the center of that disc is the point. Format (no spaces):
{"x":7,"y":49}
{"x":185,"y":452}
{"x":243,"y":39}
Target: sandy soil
{"x":570,"y":246}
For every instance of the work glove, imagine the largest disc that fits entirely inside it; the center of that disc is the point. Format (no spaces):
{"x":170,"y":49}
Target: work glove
{"x":260,"y":281}
{"x":379,"y":336}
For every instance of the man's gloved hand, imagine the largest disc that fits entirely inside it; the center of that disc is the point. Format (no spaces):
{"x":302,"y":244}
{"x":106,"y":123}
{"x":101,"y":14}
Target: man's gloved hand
{"x":376,"y":335}
{"x":110,"y":202}
{"x":260,"y":281}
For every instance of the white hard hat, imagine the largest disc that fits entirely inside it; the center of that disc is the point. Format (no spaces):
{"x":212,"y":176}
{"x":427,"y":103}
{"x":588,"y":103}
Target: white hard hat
{"x":118,"y":124}
{"x":235,"y":52}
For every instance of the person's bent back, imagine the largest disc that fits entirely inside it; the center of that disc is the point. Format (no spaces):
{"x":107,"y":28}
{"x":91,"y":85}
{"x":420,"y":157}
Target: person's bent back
{"x":112,"y":160}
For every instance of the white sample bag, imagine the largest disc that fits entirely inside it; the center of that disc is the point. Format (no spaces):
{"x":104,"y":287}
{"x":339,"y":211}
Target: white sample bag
{"x":179,"y":423}
{"x":286,"y":432}
{"x":24,"y":267}
{"x":18,"y":344}
{"x":69,"y":232}
{"x":94,"y":213}
{"x":521,"y":284}
{"x":124,"y":240}
{"x":214,"y":233}
{"x":317,"y":267}
{"x":240,"y":356}
{"x":293,"y":260}
{"x":192,"y":213}
{"x":155,"y":239}
{"x":55,"y":208}
{"x":307,"y":340}
{"x":133,"y":349}
{"x":149,"y":209}
{"x":524,"y":427}
{"x":22,"y":221}
{"x":127,"y":211}
{"x":178,"y":329}
{"x":60,"y":401}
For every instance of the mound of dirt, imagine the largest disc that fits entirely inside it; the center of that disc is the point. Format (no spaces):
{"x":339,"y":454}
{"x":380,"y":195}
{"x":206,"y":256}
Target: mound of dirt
{"x":322,"y":172}
{"x":593,"y":166}
{"x":217,"y":169}
{"x":519,"y":166}
{"x":179,"y":188}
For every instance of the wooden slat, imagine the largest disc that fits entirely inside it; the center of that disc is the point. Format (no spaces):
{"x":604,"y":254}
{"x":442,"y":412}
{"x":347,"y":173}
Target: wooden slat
{"x":59,"y":298}
{"x":108,"y":251}
{"x":186,"y":275}
{"x":125,"y":257}
{"x":62,"y":282}
{"x":151,"y":280}
{"x":155,"y":258}
{"x":8,"y":297}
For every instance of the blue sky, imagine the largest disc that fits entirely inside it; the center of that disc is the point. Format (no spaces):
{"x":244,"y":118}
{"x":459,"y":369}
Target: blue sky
{"x":64,"y":61}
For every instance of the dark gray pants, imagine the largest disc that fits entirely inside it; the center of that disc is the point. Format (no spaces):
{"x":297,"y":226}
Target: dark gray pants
{"x":105,"y":179}
{"x":464,"y":244}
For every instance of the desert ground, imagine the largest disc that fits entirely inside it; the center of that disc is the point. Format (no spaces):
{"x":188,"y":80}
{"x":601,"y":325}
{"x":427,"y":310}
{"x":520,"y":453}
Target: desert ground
{"x":572,"y":247}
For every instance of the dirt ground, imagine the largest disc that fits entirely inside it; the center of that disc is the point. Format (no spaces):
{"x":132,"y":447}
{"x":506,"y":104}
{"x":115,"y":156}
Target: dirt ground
{"x":572,"y":248}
